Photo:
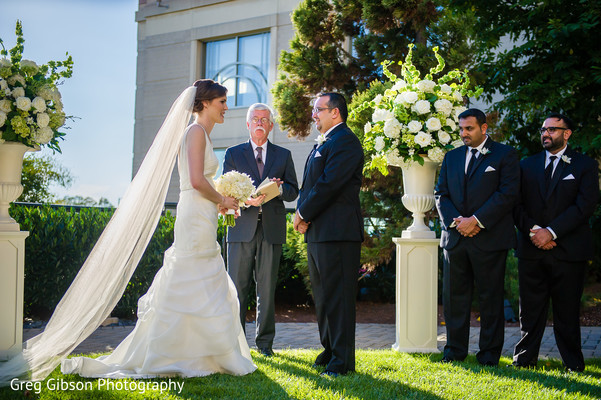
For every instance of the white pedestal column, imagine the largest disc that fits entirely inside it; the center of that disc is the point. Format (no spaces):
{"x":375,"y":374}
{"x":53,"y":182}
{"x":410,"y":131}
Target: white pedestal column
{"x":416,"y":295}
{"x":12,"y":266}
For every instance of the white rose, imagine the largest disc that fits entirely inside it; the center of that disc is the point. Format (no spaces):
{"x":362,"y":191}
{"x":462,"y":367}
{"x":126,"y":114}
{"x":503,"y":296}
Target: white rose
{"x":458,"y":110}
{"x":444,"y":137}
{"x":43,"y":135}
{"x":23,"y":103}
{"x":450,"y":123}
{"x":426,"y":86}
{"x":5,"y":105}
{"x":2,"y":118}
{"x":433,"y":124}
{"x":367,"y":127}
{"x":414,"y":126}
{"x":409,"y":97}
{"x":43,"y":119}
{"x":378,"y":99}
{"x":457,"y":143}
{"x":39,"y":104}
{"x":16,"y":78}
{"x":394,"y":158}
{"x":443,"y":106}
{"x":18,"y":92}
{"x":399,"y":85}
{"x":422,"y":106}
{"x":381,"y":114}
{"x":392,"y":128}
{"x":3,"y":84}
{"x":436,"y":154}
{"x":423,"y":139}
{"x":457,"y":96}
{"x":446,"y":89}
{"x":5,"y":63}
{"x":379,"y":146}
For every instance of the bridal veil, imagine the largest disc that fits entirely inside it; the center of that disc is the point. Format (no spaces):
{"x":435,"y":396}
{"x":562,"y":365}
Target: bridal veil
{"x":102,"y":279}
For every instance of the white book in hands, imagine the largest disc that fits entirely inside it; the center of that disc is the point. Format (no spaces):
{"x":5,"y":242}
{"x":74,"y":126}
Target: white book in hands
{"x":269,"y":188}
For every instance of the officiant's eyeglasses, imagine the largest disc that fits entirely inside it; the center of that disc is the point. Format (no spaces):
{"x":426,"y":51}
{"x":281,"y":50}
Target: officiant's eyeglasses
{"x":263,"y":120}
{"x":317,"y":110}
{"x":551,"y":129}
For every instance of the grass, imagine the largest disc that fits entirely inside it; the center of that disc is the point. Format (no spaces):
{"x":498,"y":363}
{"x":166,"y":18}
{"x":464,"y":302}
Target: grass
{"x":381,"y":374}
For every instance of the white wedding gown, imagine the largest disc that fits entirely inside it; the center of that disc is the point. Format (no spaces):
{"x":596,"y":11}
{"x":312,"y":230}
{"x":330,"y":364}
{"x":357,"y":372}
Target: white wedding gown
{"x":188,"y":321}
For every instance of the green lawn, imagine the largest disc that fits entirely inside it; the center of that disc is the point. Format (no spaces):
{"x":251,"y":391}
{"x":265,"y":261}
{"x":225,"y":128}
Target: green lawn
{"x":381,"y":374}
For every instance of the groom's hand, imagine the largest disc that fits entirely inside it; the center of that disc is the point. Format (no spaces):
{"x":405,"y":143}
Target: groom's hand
{"x":300,"y":225}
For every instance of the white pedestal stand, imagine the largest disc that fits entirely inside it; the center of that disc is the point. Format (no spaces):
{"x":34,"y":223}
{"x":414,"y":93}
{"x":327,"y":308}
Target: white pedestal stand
{"x":416,"y":294}
{"x":12,"y":265}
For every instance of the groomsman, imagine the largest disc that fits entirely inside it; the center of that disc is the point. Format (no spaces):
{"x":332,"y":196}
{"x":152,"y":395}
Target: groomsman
{"x":329,"y":214}
{"x":255,"y":244}
{"x":477,"y":189}
{"x":560,"y":190}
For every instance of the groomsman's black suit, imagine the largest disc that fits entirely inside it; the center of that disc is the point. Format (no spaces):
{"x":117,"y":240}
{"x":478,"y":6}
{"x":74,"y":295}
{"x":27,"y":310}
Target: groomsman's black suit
{"x":329,"y":201}
{"x":255,"y":243}
{"x":489,"y":193}
{"x":556,"y":274}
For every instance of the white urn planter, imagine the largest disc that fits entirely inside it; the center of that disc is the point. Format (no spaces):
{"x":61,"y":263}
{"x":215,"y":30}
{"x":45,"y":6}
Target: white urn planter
{"x":11,"y":165}
{"x":418,"y":182}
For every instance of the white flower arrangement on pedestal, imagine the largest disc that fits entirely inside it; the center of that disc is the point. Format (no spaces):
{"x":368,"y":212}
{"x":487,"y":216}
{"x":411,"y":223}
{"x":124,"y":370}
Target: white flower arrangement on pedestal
{"x":415,"y":117}
{"x":31,"y":109}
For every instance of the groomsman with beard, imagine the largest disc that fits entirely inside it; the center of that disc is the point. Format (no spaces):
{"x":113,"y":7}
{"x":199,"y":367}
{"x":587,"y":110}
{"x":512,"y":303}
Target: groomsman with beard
{"x":329,"y":214}
{"x":560,"y":190}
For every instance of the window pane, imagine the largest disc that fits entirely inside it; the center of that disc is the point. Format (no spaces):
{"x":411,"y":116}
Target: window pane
{"x":220,"y":153}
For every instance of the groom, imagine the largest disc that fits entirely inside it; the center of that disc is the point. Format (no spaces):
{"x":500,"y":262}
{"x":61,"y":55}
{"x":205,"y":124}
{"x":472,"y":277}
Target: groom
{"x":255,"y":243}
{"x":329,"y":214}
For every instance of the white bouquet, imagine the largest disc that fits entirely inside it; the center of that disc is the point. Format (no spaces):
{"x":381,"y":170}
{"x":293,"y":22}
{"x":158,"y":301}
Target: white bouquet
{"x":237,"y":185}
{"x":416,"y":117}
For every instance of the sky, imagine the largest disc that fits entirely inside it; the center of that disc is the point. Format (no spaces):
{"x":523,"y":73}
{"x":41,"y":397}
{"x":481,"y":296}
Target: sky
{"x":101,"y":36}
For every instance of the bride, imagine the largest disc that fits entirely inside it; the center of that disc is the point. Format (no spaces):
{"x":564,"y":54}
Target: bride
{"x":188,"y":321}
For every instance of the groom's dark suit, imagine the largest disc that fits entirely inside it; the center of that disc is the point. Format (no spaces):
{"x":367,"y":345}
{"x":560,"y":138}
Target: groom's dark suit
{"x":489,"y":193}
{"x":329,"y":201}
{"x":556,"y":274}
{"x":255,"y":243}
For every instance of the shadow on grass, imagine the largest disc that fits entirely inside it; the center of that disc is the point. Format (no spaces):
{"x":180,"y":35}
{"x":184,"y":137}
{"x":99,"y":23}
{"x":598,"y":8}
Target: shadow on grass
{"x":545,"y":374}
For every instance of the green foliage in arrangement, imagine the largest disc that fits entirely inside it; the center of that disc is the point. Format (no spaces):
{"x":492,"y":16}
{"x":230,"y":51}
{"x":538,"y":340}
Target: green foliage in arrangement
{"x":381,"y":374}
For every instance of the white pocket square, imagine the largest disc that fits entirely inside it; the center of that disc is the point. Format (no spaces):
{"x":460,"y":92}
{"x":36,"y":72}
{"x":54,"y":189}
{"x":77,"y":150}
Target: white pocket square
{"x":317,"y":154}
{"x":489,"y":169}
{"x":568,"y":178}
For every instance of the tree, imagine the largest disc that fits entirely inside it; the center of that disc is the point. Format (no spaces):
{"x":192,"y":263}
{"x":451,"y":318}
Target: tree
{"x":553,"y":63}
{"x":84,"y":201}
{"x":39,"y":173}
{"x":339,"y":45}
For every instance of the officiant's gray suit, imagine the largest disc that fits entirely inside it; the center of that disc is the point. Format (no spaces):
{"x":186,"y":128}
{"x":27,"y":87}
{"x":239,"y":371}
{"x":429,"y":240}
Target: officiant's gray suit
{"x":255,"y":243}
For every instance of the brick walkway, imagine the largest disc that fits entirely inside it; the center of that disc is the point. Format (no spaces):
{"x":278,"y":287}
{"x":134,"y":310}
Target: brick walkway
{"x":368,"y":336}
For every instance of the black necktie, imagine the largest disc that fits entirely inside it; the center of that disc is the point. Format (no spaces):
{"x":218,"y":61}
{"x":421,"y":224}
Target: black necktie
{"x":549,"y":171}
{"x":260,"y":164}
{"x":470,"y":166}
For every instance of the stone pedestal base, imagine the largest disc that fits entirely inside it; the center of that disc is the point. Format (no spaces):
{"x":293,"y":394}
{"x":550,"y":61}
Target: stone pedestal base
{"x":416,"y":295}
{"x":12,"y":265}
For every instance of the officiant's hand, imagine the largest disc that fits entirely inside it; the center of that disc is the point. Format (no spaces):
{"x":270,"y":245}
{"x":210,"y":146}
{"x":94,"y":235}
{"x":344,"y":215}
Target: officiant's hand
{"x":257,"y":201}
{"x":277,"y":180}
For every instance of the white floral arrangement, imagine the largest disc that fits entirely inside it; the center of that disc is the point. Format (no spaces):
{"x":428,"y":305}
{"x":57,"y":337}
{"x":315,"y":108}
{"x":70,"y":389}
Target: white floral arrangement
{"x":415,"y":117}
{"x":31,"y":109}
{"x":237,"y":185}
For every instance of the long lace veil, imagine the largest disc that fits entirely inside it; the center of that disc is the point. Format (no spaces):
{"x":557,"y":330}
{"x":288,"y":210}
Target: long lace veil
{"x":102,"y":279}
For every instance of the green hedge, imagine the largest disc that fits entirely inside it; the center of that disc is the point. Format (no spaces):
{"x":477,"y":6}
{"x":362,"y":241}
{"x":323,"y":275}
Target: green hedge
{"x":60,"y":239}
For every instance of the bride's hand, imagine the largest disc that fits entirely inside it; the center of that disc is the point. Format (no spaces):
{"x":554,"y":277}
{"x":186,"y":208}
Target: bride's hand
{"x":229,"y":203}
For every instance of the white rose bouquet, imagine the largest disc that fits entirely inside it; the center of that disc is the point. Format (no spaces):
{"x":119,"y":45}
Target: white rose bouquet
{"x":416,"y":117}
{"x":237,"y":185}
{"x":31,"y":109}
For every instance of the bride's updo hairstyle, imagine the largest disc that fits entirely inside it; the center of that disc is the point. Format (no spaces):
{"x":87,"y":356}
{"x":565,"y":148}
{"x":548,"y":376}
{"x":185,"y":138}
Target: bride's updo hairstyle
{"x":207,"y":89}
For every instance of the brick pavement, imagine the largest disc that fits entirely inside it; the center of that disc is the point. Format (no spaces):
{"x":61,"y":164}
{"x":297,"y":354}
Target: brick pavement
{"x":368,"y":336}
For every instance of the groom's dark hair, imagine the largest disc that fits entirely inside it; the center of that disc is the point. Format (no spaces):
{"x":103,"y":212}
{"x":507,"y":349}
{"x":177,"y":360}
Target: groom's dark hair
{"x":474,"y":112}
{"x":207,"y":89}
{"x":336,"y":100}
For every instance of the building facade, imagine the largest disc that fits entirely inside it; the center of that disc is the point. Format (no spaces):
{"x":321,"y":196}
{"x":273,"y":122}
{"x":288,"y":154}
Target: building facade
{"x":235,"y":42}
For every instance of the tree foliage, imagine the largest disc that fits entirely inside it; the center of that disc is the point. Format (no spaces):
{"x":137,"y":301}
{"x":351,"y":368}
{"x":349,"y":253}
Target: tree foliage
{"x":39,"y":173}
{"x":541,"y":56}
{"x":339,"y":45}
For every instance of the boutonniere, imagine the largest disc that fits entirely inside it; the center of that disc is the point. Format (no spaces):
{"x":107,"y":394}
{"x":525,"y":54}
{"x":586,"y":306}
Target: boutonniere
{"x":484,"y":151}
{"x":566,"y":159}
{"x":321,"y":139}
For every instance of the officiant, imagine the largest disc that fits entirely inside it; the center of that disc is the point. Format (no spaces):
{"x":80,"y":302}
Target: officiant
{"x":254,"y":245}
